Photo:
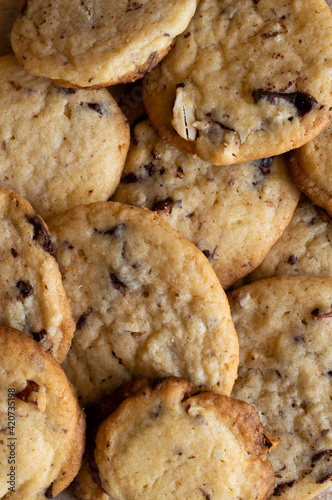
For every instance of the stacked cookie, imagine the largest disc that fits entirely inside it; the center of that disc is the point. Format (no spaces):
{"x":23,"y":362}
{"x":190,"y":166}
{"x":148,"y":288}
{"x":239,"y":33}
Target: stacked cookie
{"x":125,"y":283}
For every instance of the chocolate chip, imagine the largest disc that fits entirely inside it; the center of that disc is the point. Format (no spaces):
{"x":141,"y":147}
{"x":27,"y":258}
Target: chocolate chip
{"x":119,"y":359}
{"x":324,"y":432}
{"x":298,"y":339}
{"x":82,"y":319}
{"x":150,"y":168}
{"x":96,"y":107}
{"x":292,"y":259}
{"x":279,"y":489}
{"x":14,"y":253}
{"x":24,"y":288}
{"x":66,"y":90}
{"x":134,"y":6}
{"x":320,"y":455}
{"x":49,"y":492}
{"x":164,"y":206}
{"x":315,"y":314}
{"x":4,"y":145}
{"x":189,"y":216}
{"x":41,"y":234}
{"x":303,"y":102}
{"x":264,"y":166}
{"x":180,"y":173}
{"x":130,"y":178}
{"x":38,"y":336}
{"x":208,"y":254}
{"x":329,"y":373}
{"x":118,"y":284}
{"x":156,"y":412}
{"x":324,"y":478}
{"x":205,"y":495}
{"x":30,"y":387}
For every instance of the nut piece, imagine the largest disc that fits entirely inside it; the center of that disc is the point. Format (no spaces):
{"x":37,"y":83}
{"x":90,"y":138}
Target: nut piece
{"x":184,"y":116}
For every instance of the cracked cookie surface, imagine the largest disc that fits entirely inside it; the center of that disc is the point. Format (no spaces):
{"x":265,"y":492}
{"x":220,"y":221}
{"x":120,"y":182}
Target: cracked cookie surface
{"x":58,"y":147}
{"x":247,"y":79}
{"x":89,"y":43}
{"x":40,"y":418}
{"x":209,"y":446}
{"x":146,"y":302}
{"x":32,"y":297}
{"x":233,"y":214}
{"x":284,"y":327}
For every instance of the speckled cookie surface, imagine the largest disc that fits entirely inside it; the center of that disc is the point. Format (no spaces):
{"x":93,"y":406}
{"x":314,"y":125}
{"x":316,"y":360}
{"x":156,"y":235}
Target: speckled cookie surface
{"x":42,"y":427}
{"x":58,"y":147}
{"x":146,"y":302}
{"x":32,"y":298}
{"x":246,"y":80}
{"x":97,"y":42}
{"x":233,"y":214}
{"x":209,"y":446}
{"x":304,"y":247}
{"x":284,"y":327}
{"x":311,"y":169}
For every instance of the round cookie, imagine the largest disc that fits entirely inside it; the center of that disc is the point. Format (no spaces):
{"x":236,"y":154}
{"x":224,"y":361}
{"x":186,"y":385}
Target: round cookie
{"x":311,"y":169}
{"x":246,"y":80}
{"x":146,"y":302}
{"x":32,"y":297}
{"x":42,"y":426}
{"x":233,"y":214}
{"x":304,"y":247}
{"x":97,"y":43}
{"x":58,"y":147}
{"x":209,"y":446}
{"x":284,"y":327}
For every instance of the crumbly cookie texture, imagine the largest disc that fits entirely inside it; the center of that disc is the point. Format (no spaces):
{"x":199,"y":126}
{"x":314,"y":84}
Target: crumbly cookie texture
{"x":233,"y":214}
{"x":246,"y":80}
{"x":304,"y":247}
{"x":58,"y":147}
{"x":209,"y":446}
{"x":46,"y":428}
{"x":32,"y":297}
{"x":284,"y":327}
{"x":146,"y":302}
{"x":97,"y":43}
{"x":311,"y":169}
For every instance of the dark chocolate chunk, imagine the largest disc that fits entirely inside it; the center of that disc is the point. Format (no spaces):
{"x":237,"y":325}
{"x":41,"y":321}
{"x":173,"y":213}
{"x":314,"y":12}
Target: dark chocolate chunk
{"x":264,"y":166}
{"x":66,"y":90}
{"x":30,"y":387}
{"x":41,"y":234}
{"x":156,"y":412}
{"x":133,"y":6}
{"x":279,"y":489}
{"x":38,"y":336}
{"x":292,"y":259}
{"x":118,"y":284}
{"x":130,"y":178}
{"x":24,"y":288}
{"x":324,"y":478}
{"x":14,"y":252}
{"x":315,"y":314}
{"x":303,"y":102}
{"x":82,"y":319}
{"x":150,"y":168}
{"x":298,"y":339}
{"x":49,"y":492}
{"x":164,"y":206}
{"x":15,"y":85}
{"x":119,"y":359}
{"x":320,"y":455}
{"x":96,"y":107}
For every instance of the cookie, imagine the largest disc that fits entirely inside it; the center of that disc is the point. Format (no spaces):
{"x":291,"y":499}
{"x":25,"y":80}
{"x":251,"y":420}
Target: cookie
{"x":233,"y":214}
{"x":58,"y":147}
{"x":246,"y":80}
{"x":209,"y":446}
{"x":146,"y":302}
{"x":32,"y":297}
{"x":42,"y":426}
{"x":97,"y":43}
{"x":304,"y":247}
{"x":310,"y":167}
{"x":284,"y":327}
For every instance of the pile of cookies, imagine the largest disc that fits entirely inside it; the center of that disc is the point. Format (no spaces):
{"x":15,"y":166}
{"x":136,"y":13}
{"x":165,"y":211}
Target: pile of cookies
{"x":202,"y":167}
